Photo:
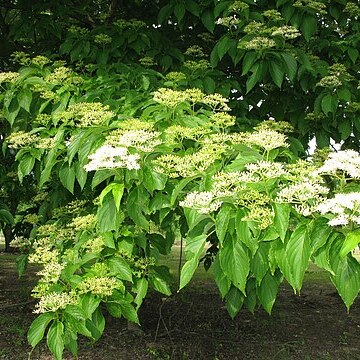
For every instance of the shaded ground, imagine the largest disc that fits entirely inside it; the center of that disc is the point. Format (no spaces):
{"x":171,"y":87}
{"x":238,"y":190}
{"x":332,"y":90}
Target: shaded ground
{"x":194,"y":325}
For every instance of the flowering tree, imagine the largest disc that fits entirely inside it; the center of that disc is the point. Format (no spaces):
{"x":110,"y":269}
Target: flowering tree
{"x":134,"y":141}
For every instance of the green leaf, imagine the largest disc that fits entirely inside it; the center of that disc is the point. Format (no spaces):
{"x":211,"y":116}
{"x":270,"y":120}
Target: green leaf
{"x":97,"y":324}
{"x":259,"y":264}
{"x":319,"y":233}
{"x":50,"y":161}
{"x":267,"y":291}
{"x":114,"y":309}
{"x":107,"y":216}
{"x":277,"y":73}
{"x":329,"y":104}
{"x":351,"y":241}
{"x":119,"y":268}
{"x":244,"y":233}
{"x":192,"y":7}
{"x":55,"y":339}
{"x":25,"y":98}
{"x":179,"y":11}
{"x":353,"y":54}
{"x":234,"y":261}
{"x":234,"y":301}
{"x":26,"y":164}
{"x":290,"y":65}
{"x":298,"y":251}
{"x":117,"y":190}
{"x":281,"y":219}
{"x":159,"y":284}
{"x":37,"y":328}
{"x":129,"y":312}
{"x":222,"y":281}
{"x":6,"y":217}
{"x":222,"y":222}
{"x":248,"y":61}
{"x":208,"y":20}
{"x":67,"y":177}
{"x":256,"y":76}
{"x":138,"y":203}
{"x":140,"y":288}
{"x":194,"y":249}
{"x":309,"y":26}
{"x":154,"y":180}
{"x":223,"y":46}
{"x":347,"y":274}
{"x":89,"y":303}
{"x":100,"y":176}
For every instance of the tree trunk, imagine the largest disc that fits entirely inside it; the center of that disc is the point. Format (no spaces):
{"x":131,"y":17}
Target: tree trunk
{"x":9,"y":236}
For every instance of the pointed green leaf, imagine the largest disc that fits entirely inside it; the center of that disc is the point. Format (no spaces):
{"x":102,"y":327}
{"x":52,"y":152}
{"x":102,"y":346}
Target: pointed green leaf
{"x":351,"y":241}
{"x":55,"y":339}
{"x":234,"y":300}
{"x":267,"y":291}
{"x":37,"y":329}
{"x":298,"y":251}
{"x":234,"y":261}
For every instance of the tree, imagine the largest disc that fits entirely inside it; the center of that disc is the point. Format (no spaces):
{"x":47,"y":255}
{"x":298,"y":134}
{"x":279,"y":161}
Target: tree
{"x":169,"y":123}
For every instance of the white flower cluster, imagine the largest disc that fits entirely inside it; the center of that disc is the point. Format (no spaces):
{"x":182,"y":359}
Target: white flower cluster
{"x":51,"y":272}
{"x":347,"y":161}
{"x":54,"y":301}
{"x":267,"y":139}
{"x":141,"y":139}
{"x":204,"y":202}
{"x":344,"y":207}
{"x":110,"y":157}
{"x":305,"y":196}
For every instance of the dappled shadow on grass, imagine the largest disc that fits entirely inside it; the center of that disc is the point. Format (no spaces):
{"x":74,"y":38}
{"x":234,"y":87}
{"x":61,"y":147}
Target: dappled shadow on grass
{"x":193,"y":324}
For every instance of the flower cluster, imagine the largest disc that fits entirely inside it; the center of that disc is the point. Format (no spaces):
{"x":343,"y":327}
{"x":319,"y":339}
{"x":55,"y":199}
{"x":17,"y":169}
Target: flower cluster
{"x":63,"y":75}
{"x":40,"y":60}
{"x":172,"y":98}
{"x":102,"y":286}
{"x":86,"y":114}
{"x":55,"y":301}
{"x":273,"y":15}
{"x":204,"y":202}
{"x":311,"y":5}
{"x":287,"y":32}
{"x":147,"y":61}
{"x":102,"y":39}
{"x":195,"y":51}
{"x":20,"y":139}
{"x":9,"y":76}
{"x":86,"y":222}
{"x":132,"y":24}
{"x":330,"y":81}
{"x":51,"y":272}
{"x":190,"y":164}
{"x":228,"y":21}
{"x":177,"y":133}
{"x":175,"y":76}
{"x":279,"y":126}
{"x":267,"y":139}
{"x":143,"y":140}
{"x":352,"y":9}
{"x":345,"y":162}
{"x":257,"y":43}
{"x":200,"y":65}
{"x":305,"y":196}
{"x":110,"y":157}
{"x":344,"y":209}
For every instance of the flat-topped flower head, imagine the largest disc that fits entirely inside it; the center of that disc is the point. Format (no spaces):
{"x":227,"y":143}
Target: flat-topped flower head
{"x":344,"y":208}
{"x":110,"y":157}
{"x":346,"y":162}
{"x":204,"y":202}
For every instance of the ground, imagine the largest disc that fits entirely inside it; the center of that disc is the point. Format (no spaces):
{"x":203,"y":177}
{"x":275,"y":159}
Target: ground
{"x":193,"y":324}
